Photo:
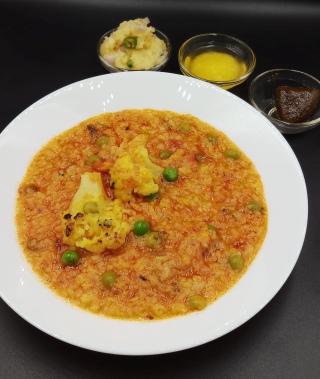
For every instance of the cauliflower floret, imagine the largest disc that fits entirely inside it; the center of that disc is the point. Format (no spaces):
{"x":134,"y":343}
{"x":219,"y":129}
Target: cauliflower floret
{"x":153,"y":168}
{"x":90,"y":189}
{"x":93,"y":221}
{"x":133,"y":172}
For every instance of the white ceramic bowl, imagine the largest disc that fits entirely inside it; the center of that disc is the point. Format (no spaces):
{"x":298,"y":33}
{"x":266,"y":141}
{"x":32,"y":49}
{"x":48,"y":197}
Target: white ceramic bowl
{"x":284,"y":187}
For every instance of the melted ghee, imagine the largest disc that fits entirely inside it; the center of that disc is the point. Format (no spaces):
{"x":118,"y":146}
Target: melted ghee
{"x":215,"y":66}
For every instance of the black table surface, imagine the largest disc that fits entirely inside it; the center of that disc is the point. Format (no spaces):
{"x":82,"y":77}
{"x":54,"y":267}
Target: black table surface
{"x":48,"y":44}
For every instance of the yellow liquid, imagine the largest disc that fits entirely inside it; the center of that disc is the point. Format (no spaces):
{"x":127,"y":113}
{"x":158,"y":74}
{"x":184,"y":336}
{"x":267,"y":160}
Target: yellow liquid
{"x":215,"y":66}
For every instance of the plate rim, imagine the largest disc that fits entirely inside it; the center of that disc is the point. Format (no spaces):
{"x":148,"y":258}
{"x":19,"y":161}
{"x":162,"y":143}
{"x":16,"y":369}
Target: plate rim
{"x":206,"y":87}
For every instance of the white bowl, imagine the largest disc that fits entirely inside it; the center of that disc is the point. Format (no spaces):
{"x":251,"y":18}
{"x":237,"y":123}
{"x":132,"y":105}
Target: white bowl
{"x":284,"y":186}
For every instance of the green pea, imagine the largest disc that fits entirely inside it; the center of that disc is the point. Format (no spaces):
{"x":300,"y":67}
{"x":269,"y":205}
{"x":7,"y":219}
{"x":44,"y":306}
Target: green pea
{"x":32,"y":244}
{"x":236,"y":262}
{"x":109,"y":279}
{"x":130,"y":63}
{"x":107,"y":223}
{"x":100,"y":141}
{"x":233,"y":154}
{"x":31,"y":188}
{"x":141,"y":227}
{"x":70,"y":257}
{"x":254,"y":206}
{"x":185,"y":128}
{"x":212,"y":138}
{"x":92,"y":159}
{"x":197,"y":302}
{"x":90,"y":207}
{"x":152,"y":196}
{"x":153,"y":240}
{"x":170,"y":174}
{"x":165,"y":154}
{"x":211,"y":227}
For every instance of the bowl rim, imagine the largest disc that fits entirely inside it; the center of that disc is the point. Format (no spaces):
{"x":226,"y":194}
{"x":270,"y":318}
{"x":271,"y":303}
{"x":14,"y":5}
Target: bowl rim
{"x":296,"y":125}
{"x":107,"y":65}
{"x":219,"y":82}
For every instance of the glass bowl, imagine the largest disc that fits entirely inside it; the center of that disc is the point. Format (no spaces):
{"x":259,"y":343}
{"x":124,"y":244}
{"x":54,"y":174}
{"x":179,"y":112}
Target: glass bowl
{"x":262,"y":97}
{"x":111,"y":68}
{"x":240,"y":62}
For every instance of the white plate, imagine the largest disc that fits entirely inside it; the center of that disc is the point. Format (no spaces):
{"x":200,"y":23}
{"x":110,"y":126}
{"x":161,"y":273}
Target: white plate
{"x":280,"y":171}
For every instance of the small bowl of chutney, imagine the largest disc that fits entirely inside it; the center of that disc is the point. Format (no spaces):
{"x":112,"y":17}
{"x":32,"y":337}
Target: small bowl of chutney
{"x":219,"y":59}
{"x":290,"y":99}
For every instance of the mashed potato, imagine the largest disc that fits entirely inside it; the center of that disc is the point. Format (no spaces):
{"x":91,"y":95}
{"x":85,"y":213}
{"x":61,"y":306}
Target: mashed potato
{"x":134,"y":46}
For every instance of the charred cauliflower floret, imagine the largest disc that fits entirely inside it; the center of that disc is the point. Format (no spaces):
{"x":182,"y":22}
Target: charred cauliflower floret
{"x":134,"y":173}
{"x":93,"y":221}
